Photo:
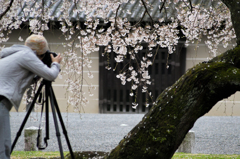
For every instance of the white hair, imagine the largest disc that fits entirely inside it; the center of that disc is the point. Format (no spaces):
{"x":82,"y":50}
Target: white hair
{"x":37,"y":43}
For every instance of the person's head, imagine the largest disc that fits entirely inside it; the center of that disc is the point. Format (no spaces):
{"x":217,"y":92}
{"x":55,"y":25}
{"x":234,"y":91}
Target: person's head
{"x":37,"y":43}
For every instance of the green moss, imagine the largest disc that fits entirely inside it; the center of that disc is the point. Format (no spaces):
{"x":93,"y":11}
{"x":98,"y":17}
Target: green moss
{"x":87,"y":154}
{"x":179,"y":106}
{"x":29,"y":133}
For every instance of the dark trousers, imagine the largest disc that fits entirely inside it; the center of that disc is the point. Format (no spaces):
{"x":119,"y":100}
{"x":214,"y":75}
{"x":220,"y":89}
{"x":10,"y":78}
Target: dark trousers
{"x":5,"y":132}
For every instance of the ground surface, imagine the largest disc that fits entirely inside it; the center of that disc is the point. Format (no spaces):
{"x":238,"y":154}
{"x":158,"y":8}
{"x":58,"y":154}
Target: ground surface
{"x":102,"y":132}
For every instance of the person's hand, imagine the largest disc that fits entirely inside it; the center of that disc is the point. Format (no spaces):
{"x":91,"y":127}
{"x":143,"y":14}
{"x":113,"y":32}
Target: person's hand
{"x":57,"y":59}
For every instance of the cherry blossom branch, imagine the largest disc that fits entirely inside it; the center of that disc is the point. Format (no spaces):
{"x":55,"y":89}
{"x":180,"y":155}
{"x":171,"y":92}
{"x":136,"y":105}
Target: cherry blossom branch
{"x":123,"y":34}
{"x":82,"y":78}
{"x":115,"y":25}
{"x":7,"y":9}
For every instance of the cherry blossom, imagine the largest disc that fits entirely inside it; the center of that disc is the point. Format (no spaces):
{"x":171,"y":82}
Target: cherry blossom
{"x":121,"y":38}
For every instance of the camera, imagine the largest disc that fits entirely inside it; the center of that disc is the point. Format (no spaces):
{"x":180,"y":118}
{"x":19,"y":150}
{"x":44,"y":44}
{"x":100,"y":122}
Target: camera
{"x":47,"y":58}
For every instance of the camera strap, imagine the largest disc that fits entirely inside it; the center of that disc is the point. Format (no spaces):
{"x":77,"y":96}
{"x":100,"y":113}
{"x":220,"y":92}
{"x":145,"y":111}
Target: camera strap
{"x":38,"y":137}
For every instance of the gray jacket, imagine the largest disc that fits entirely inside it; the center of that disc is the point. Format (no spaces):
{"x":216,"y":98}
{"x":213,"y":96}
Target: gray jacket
{"x":18,"y":66}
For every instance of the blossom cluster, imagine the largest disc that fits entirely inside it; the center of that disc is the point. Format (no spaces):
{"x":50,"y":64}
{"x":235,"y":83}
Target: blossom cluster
{"x":121,"y":37}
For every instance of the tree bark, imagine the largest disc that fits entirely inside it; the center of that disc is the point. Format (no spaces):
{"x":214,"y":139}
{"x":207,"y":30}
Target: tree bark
{"x":163,"y":128}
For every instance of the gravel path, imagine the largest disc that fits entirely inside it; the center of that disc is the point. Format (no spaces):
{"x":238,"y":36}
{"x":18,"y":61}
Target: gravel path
{"x":102,"y":132}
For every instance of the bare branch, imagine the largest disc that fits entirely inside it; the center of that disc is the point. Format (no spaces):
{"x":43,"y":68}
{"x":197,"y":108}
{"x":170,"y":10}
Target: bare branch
{"x":146,"y":10}
{"x":75,"y":4}
{"x":162,"y":6}
{"x":116,"y":16}
{"x":42,"y":7}
{"x":140,"y":19}
{"x":7,"y":9}
{"x":191,"y":5}
{"x":115,"y":25}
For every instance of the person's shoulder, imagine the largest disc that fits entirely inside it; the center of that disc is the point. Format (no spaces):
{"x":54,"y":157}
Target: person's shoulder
{"x":24,"y":50}
{"x":22,"y":47}
{"x":25,"y":54}
{"x":14,"y":49}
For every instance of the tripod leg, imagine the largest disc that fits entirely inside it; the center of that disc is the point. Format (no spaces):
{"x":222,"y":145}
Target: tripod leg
{"x":56,"y":123}
{"x":47,"y":112}
{"x":46,"y":138}
{"x":62,"y":123}
{"x":26,"y":117}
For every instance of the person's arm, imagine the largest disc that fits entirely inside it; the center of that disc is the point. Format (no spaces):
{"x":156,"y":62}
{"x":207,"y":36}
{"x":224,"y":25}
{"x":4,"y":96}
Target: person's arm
{"x":32,"y":63}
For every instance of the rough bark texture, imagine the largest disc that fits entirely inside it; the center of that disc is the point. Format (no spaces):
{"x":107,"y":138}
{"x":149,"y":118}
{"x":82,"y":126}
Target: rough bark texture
{"x":162,"y":130}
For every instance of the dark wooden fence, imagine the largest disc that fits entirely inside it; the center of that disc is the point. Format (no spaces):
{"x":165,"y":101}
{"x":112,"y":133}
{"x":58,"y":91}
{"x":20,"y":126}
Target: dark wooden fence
{"x":115,"y":98}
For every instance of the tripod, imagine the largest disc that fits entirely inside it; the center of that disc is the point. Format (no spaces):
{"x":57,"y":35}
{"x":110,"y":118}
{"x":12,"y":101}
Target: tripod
{"x":54,"y":106}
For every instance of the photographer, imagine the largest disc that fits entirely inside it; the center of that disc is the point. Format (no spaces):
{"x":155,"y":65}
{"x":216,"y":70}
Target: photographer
{"x":18,"y":66}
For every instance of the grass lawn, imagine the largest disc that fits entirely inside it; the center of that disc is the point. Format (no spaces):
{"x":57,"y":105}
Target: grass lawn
{"x":32,"y":154}
{"x":203,"y":156}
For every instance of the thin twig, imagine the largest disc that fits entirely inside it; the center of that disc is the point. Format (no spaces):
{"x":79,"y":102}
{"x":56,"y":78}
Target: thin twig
{"x":140,"y":19}
{"x":162,"y":6}
{"x":75,"y":4}
{"x":42,"y":23}
{"x":191,"y":7}
{"x":147,"y":11}
{"x":116,"y":16}
{"x":42,"y":7}
{"x":7,"y":9}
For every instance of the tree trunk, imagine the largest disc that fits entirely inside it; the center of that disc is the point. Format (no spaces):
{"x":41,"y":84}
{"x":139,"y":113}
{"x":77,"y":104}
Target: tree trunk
{"x":234,"y":7}
{"x":163,"y":128}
